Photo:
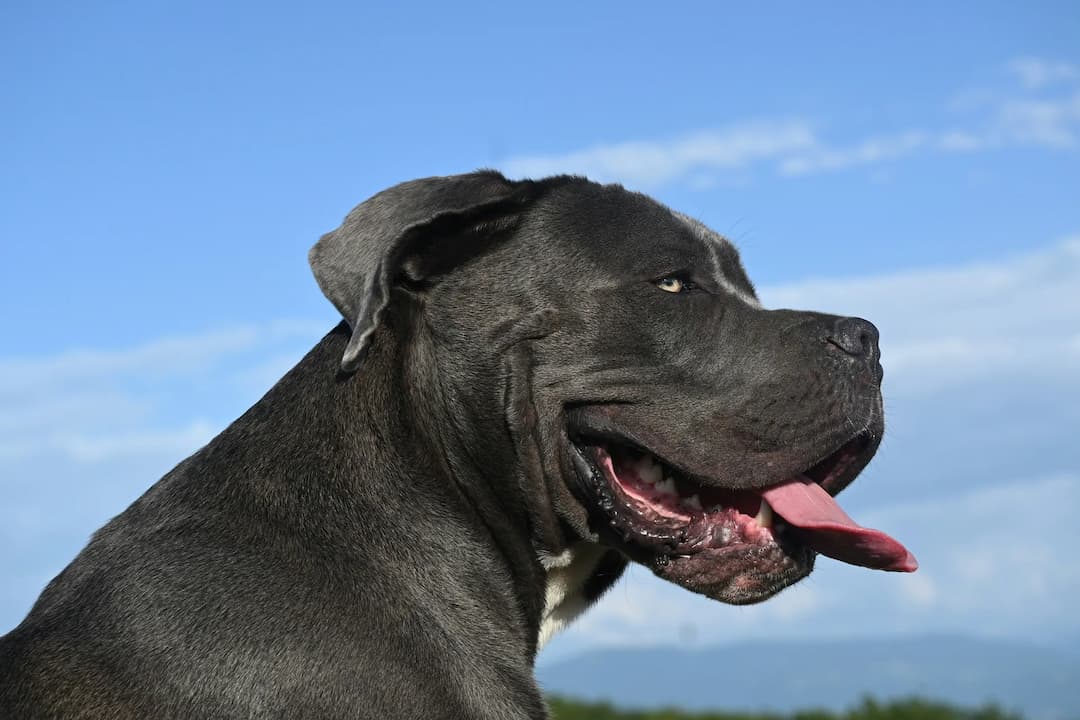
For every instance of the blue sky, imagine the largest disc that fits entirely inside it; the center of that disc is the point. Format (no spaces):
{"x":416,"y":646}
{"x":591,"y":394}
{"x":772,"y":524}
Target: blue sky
{"x":166,"y":166}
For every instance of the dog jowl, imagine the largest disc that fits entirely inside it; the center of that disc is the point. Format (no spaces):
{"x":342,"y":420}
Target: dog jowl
{"x":535,"y":383}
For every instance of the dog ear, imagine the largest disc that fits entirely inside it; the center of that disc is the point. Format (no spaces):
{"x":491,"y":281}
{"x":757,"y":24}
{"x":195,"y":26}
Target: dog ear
{"x":356,"y":265}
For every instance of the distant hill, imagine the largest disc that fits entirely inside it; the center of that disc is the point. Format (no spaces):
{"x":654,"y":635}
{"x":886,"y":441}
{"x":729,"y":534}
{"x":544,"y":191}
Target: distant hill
{"x":784,"y":677}
{"x":868,"y":709}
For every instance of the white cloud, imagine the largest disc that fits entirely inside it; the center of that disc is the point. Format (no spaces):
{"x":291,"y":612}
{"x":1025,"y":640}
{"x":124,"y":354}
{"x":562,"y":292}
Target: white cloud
{"x":872,"y":150}
{"x":1037,"y":73}
{"x":1020,"y":313}
{"x":93,"y":405}
{"x":1040,"y":114}
{"x":96,"y":447}
{"x":160,"y":356}
{"x":994,"y":549}
{"x":960,"y":141}
{"x":653,"y":163}
{"x":919,"y":589}
{"x":1052,"y":123}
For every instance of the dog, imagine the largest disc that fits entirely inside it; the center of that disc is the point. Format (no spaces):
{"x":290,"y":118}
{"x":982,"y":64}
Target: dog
{"x":534,"y":383}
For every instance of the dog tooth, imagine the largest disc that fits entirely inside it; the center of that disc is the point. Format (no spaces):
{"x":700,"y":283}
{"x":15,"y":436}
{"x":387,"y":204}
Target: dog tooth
{"x":650,"y":473}
{"x":667,"y":485}
{"x":693,"y":501}
{"x":764,"y":515}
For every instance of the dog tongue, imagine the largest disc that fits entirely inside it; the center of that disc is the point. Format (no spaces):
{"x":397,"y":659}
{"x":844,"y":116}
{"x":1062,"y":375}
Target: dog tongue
{"x":826,"y":528}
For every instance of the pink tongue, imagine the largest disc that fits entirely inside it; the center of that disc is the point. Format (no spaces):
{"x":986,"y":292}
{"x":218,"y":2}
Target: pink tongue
{"x":826,"y":528}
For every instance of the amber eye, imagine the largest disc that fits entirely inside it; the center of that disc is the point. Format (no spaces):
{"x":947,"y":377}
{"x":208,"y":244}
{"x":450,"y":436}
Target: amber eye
{"x":672,"y":284}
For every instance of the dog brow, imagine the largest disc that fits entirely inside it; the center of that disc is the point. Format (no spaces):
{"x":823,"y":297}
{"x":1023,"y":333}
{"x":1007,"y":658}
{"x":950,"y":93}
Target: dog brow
{"x":714,"y":241}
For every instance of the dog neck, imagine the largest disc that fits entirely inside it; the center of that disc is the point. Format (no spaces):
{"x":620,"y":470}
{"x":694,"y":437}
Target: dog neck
{"x":466,"y":435}
{"x":499,"y":476}
{"x":565,"y":597}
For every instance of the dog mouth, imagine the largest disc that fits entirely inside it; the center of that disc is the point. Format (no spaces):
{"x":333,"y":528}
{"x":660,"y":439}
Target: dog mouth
{"x":738,"y":545}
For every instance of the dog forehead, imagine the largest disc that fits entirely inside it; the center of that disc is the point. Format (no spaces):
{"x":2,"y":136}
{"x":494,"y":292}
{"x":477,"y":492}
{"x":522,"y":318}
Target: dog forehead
{"x":608,"y":220}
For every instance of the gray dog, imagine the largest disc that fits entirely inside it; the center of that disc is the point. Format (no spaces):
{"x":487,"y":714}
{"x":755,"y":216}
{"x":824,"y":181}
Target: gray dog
{"x":535,"y":383}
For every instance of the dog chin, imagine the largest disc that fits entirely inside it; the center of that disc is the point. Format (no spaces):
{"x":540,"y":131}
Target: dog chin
{"x":735,"y":575}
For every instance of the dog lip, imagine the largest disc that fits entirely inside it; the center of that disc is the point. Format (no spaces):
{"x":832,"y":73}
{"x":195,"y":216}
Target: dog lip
{"x":841,"y":466}
{"x":589,"y":429}
{"x":724,"y":550}
{"x":834,"y":471}
{"x":672,"y":522}
{"x":721,"y":552}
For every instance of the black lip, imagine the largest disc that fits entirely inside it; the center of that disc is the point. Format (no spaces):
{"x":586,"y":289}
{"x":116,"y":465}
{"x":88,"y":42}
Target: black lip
{"x":737,"y":571}
{"x":834,"y":472}
{"x":587,"y":429}
{"x":640,"y":544}
{"x":839,"y":468}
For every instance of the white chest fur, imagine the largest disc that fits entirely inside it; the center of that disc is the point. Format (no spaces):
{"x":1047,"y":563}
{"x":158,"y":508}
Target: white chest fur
{"x":565,"y":598}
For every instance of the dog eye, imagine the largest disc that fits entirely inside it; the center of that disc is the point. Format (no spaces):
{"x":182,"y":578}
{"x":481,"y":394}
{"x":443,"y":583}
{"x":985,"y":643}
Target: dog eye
{"x":674,"y":284}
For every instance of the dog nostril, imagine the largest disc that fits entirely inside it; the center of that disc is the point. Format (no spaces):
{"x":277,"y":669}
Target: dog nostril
{"x":856,"y":337}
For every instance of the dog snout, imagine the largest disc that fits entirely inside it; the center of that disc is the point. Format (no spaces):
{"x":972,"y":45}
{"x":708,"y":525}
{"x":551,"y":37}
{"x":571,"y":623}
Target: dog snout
{"x":856,"y":337}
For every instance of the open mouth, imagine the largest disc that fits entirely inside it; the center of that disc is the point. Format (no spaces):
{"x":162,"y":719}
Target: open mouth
{"x":739,"y":545}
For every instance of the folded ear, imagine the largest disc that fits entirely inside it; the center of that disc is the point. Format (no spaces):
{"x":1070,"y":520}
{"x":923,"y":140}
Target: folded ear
{"x":357,"y":264}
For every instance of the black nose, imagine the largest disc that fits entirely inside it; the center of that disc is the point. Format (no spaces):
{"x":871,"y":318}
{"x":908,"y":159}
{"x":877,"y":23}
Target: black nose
{"x":856,"y":337}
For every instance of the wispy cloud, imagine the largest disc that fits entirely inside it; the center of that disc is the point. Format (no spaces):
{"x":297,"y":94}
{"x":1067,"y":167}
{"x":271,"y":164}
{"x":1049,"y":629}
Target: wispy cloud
{"x":1037,"y":73}
{"x":651,"y":163}
{"x":821,"y":158}
{"x":1043,"y":112}
{"x":1015,"y":313}
{"x":161,"y":355}
{"x":1052,"y":123}
{"x":168,"y":355}
{"x":1004,"y":555}
{"x":90,"y":447}
{"x":92,"y":405}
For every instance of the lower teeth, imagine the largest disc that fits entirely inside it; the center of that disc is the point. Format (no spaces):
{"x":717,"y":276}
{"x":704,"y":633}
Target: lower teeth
{"x":764,"y":516}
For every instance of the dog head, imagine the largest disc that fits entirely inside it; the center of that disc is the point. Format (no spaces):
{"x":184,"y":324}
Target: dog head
{"x":618,"y":352}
